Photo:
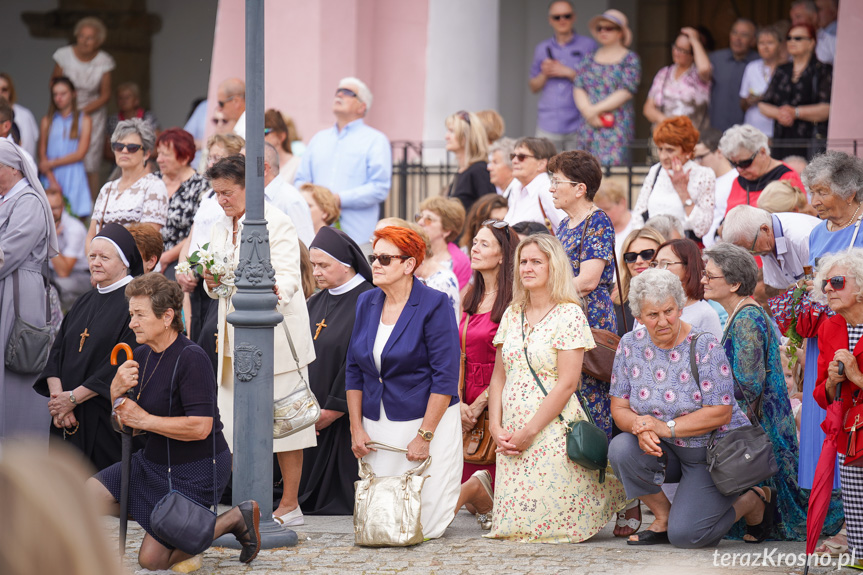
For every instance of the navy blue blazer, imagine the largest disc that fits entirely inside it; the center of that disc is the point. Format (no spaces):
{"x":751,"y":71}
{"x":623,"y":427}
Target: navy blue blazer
{"x":421,"y":356}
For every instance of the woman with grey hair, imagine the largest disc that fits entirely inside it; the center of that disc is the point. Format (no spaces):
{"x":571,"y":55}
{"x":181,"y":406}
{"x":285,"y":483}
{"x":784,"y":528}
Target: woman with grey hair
{"x":667,"y":414}
{"x":138,"y":196}
{"x":747,"y":150}
{"x":840,"y":282}
{"x":752,"y":348}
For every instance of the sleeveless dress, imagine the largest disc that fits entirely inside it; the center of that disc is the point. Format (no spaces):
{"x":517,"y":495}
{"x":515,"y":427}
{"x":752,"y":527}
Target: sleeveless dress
{"x":478,"y":366}
{"x":71,"y":177}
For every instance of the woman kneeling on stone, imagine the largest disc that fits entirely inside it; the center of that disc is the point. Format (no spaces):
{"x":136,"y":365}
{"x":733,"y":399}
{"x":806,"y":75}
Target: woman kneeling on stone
{"x":667,"y":414}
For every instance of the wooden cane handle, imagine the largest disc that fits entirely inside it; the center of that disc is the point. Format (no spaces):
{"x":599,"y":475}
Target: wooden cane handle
{"x":120,"y":347}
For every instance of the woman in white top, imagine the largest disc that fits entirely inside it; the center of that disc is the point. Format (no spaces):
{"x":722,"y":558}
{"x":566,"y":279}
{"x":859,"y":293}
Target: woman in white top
{"x":90,"y":70}
{"x":676,"y":185}
{"x":138,"y":196}
{"x":756,"y":78}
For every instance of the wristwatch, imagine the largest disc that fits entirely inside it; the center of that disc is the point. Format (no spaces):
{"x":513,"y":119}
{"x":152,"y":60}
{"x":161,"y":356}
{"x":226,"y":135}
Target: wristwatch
{"x":688,"y":202}
{"x":427,"y":435}
{"x":72,"y":398}
{"x":671,"y":423}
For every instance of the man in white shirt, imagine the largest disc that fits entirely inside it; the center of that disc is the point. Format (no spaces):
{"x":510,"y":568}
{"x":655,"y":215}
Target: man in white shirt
{"x":533,"y":203}
{"x":286,"y":197}
{"x":500,"y":167}
{"x":707,"y":154}
{"x":231,"y":99}
{"x":782,"y":241}
{"x":69,"y":270}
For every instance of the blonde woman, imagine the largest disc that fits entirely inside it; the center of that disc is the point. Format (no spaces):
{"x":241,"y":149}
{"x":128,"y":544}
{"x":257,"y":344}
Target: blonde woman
{"x":782,"y":196}
{"x":638,"y":249}
{"x":467,"y":139}
{"x":443,"y":220}
{"x":540,"y":495}
{"x":322,"y":204}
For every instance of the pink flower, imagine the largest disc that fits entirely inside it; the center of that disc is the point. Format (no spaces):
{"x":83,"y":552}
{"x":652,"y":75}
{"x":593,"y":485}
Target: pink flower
{"x":706,"y":385}
{"x":636,"y":372}
{"x":613,"y":378}
{"x":660,"y":374}
{"x":643,"y":393}
{"x":711,"y":345}
{"x":626,"y":350}
{"x":697,"y":357}
{"x":696,"y":396}
{"x":723,"y":428}
{"x":648,"y":354}
{"x":726,"y":399}
{"x":657,"y":413}
{"x":670,"y":396}
{"x":684,"y":376}
{"x":626,"y":396}
{"x":724,"y":369}
{"x":679,"y":443}
{"x":639,"y":334}
{"x":674,"y":355}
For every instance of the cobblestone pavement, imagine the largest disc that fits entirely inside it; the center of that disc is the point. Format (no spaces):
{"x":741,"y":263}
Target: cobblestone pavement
{"x":326,"y":547}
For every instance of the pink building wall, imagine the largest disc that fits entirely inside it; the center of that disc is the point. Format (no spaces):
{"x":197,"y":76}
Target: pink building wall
{"x":846,"y":114}
{"x":310,"y":46}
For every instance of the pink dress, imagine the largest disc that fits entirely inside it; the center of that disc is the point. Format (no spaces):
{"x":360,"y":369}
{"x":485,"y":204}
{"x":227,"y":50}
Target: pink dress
{"x":478,"y":365}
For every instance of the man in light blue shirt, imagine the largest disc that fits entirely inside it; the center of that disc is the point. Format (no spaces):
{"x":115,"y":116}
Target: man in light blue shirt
{"x":353,"y":160}
{"x":286,"y":197}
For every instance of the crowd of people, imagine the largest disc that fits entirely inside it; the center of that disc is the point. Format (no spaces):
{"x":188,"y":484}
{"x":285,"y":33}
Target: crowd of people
{"x":476,"y":318}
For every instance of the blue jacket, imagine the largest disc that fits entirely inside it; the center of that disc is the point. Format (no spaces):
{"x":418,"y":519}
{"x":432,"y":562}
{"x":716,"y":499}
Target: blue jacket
{"x":419,"y":359}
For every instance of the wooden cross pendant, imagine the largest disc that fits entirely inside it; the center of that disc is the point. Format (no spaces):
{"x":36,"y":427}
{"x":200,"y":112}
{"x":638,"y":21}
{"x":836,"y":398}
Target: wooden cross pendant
{"x":321,"y":325}
{"x":84,"y":335}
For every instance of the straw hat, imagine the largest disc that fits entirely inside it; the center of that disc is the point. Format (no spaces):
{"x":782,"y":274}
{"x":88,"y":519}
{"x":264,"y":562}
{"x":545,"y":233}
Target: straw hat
{"x":615,"y":17}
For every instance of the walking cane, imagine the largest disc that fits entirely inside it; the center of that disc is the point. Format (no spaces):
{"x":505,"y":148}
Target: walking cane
{"x":126,"y":462}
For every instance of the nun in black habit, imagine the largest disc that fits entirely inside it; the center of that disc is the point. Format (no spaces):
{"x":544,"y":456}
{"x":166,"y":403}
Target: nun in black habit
{"x":330,"y":469}
{"x":79,"y":372}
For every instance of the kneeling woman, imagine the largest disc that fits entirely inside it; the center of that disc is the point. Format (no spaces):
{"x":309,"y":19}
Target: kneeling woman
{"x":667,"y":414}
{"x":176,"y":403}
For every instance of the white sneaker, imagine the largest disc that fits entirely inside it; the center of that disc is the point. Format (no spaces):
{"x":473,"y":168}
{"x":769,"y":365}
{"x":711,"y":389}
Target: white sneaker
{"x":291,"y":518}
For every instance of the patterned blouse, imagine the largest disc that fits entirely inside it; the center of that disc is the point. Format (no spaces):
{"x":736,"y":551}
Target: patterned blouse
{"x":181,"y":209}
{"x":813,"y":87}
{"x":146,"y":201}
{"x":658,"y":196}
{"x":688,"y":95}
{"x":659,"y":381}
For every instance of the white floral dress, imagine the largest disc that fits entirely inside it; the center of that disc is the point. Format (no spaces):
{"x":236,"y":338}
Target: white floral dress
{"x":540,"y":495}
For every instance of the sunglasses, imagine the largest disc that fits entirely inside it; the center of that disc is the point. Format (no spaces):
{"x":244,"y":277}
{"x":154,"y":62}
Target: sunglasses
{"x":464,"y":116}
{"x":607,"y":28}
{"x":744,"y":163}
{"x":385,"y":259}
{"x":346,"y":92}
{"x":131,"y":148}
{"x":559,"y":17}
{"x":631,"y":257}
{"x":520,"y":157}
{"x":836,"y":282}
{"x":220,"y":121}
{"x":498,"y":225}
{"x":420,"y":218}
{"x":222,"y":103}
{"x":268,"y":131}
{"x":797,"y":38}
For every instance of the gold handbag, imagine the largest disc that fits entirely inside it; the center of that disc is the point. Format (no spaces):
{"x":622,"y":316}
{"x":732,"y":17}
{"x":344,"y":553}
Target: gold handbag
{"x":387,"y":509}
{"x":299,"y":409}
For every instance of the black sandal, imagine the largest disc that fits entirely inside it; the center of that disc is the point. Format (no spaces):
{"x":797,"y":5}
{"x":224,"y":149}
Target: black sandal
{"x":648,"y":537}
{"x":764,"y":529}
{"x":250,"y":539}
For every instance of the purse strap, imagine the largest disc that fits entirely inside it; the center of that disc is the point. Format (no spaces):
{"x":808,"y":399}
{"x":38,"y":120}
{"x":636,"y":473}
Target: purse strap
{"x":296,"y":357}
{"x":461,"y":377}
{"x":546,"y":221}
{"x":613,"y":261}
{"x":366,"y":471}
{"x":168,"y":439}
{"x":760,"y":401}
{"x":542,"y":387}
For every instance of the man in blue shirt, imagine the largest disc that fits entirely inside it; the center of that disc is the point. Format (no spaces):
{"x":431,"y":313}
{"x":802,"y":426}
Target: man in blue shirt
{"x":353,"y":160}
{"x":553,"y":71}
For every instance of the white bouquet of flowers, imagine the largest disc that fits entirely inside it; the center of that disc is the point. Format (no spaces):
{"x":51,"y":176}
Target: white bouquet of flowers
{"x":218,"y":264}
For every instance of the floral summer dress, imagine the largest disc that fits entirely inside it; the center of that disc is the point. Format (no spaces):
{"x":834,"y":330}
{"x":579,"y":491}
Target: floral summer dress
{"x":598,"y":244}
{"x":540,"y":495}
{"x":609,"y":145}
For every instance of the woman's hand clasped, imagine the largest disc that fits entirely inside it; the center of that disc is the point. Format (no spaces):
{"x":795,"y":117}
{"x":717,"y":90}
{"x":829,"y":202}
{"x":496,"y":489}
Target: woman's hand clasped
{"x":125,"y":379}
{"x":513,"y":443}
{"x":359,"y":438}
{"x":468,"y":419}
{"x":648,"y":430}
{"x":60,"y":405}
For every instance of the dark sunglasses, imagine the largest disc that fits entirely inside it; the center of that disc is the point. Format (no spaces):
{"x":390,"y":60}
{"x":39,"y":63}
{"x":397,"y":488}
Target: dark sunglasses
{"x":498,"y":225}
{"x":464,"y":116}
{"x":220,"y":121}
{"x":797,"y":38}
{"x":346,"y":92}
{"x":222,"y":103}
{"x":607,"y":28}
{"x":837,"y":282}
{"x":744,"y":163}
{"x":646,"y":255}
{"x":385,"y":259}
{"x":131,"y":148}
{"x":559,"y":17}
{"x":520,"y":157}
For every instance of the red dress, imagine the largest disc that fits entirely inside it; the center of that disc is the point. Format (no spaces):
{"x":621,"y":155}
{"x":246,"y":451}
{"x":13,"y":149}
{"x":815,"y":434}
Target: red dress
{"x":478,"y":366}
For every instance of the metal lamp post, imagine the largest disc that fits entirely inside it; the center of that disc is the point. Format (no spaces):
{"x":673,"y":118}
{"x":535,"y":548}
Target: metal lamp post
{"x":255,"y":315}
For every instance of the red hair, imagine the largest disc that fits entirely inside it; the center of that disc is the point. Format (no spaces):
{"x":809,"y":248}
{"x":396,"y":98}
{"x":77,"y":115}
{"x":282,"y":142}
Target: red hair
{"x":677,"y":131}
{"x":407,"y":241}
{"x":181,"y":141}
{"x":810,"y":29}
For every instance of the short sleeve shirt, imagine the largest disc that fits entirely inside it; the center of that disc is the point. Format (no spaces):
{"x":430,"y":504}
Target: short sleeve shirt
{"x":145,"y":201}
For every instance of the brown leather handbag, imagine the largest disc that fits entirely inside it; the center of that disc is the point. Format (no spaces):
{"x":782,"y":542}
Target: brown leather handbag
{"x":479,"y":447}
{"x":599,"y":361}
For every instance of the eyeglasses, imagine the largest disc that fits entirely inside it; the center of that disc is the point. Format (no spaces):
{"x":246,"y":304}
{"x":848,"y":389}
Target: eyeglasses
{"x":663,"y":265}
{"x":346,"y":92}
{"x":632,"y":257}
{"x":836,"y":282}
{"x":555,"y":182}
{"x":797,"y":38}
{"x":754,"y":241}
{"x":222,"y":103}
{"x":520,"y":157}
{"x":677,"y":48}
{"x":219,"y":121}
{"x":498,"y":225}
{"x":699,"y":158}
{"x":559,"y":17}
{"x":131,"y":148}
{"x":385,"y":259}
{"x":743,"y":163}
{"x":709,"y":277}
{"x":607,"y":28}
{"x":420,"y":218}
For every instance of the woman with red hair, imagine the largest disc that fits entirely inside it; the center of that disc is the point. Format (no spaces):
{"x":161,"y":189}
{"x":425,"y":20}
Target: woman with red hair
{"x":402,"y":377}
{"x":176,"y":150}
{"x":676,"y":185}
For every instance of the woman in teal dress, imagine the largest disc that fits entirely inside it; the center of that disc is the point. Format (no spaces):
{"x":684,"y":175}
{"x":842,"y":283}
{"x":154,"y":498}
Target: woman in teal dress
{"x":587,"y":235}
{"x":63,"y":143}
{"x":752,"y":346}
{"x":605,"y":84}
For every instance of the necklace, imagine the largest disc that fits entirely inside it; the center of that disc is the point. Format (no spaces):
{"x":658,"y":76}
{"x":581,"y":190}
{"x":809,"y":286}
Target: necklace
{"x":155,"y":369}
{"x":490,"y":292}
{"x":582,"y":218}
{"x":851,"y":221}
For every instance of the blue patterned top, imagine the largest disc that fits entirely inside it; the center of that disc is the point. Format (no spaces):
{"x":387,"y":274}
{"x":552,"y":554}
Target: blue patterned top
{"x":659,"y":382}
